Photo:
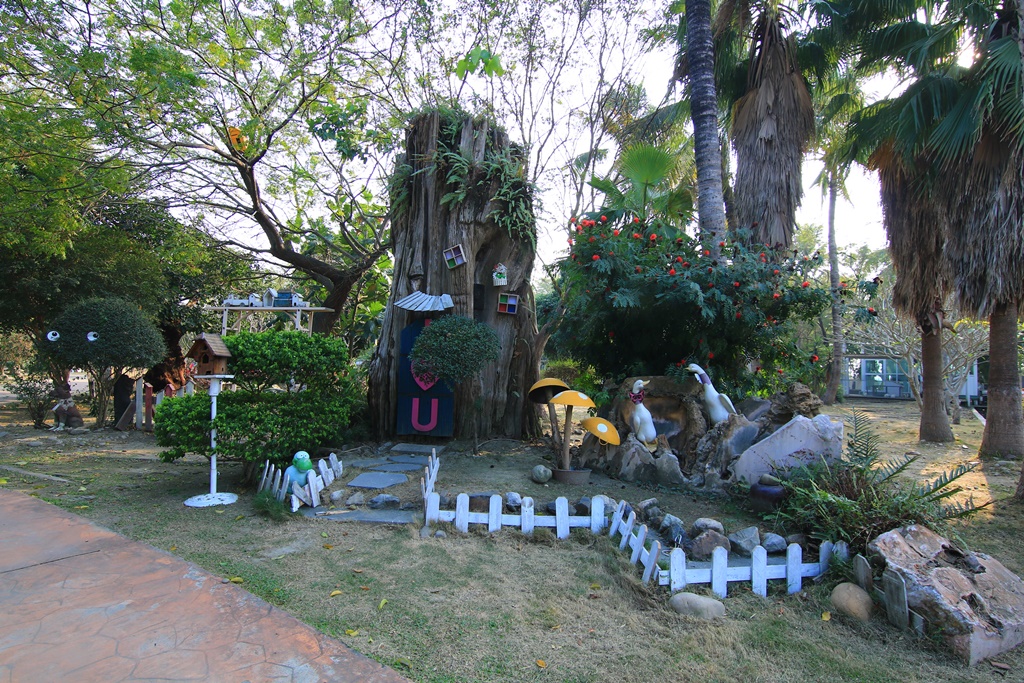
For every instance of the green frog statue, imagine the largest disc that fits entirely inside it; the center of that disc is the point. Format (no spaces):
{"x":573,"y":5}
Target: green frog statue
{"x":298,"y":471}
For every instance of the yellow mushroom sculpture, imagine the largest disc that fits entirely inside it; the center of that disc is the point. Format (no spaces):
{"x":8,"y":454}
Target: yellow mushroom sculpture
{"x":570,"y":398}
{"x":603,"y":429}
{"x":542,"y":392}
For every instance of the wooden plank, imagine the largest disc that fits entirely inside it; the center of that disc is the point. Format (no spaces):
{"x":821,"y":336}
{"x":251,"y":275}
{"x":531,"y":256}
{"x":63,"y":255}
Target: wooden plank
{"x":462,"y":513}
{"x":296,"y":503}
{"x":526,"y":513}
{"x":719,"y":567}
{"x":617,"y":520}
{"x":263,"y":477}
{"x":895,"y":589}
{"x":651,"y":562}
{"x":824,"y":557}
{"x":432,"y":508}
{"x":794,"y":570}
{"x":698,"y":576}
{"x":446,"y":516}
{"x":626,"y":529}
{"x":315,"y":485}
{"x":862,"y":573}
{"x":278,"y":489}
{"x":562,"y":517}
{"x":494,"y":513}
{"x":758,"y":575}
{"x":301,"y":493}
{"x":637,"y":543}
{"x":335,"y":464}
{"x":841,"y":550}
{"x":596,"y":515}
{"x":325,"y":472}
{"x":917,"y":623}
{"x":677,"y":570}
{"x":140,"y":402}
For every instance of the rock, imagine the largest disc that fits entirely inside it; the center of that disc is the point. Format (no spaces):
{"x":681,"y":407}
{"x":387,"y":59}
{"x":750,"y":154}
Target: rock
{"x":83,"y":430}
{"x":704,"y":544}
{"x":797,"y":400}
{"x":702,"y":524}
{"x":609,"y":504}
{"x":337,"y":495}
{"x":446,"y":501}
{"x":773,"y":543}
{"x":633,"y":462}
{"x":799,"y":539}
{"x":654,"y":513}
{"x":34,"y":444}
{"x":667,"y":467}
{"x":853,"y":601}
{"x":384,"y":501}
{"x":722,"y":444}
{"x":583,"y":506}
{"x":356,"y":498}
{"x":769,"y":480}
{"x":972,"y":602}
{"x":677,"y":534}
{"x":713,"y":480}
{"x":745,"y":540}
{"x":655,"y":522}
{"x":697,"y":606}
{"x":800,"y":442}
{"x":669,"y":520}
{"x":440,"y":534}
{"x":426,"y":531}
{"x":513,"y":501}
{"x":754,"y":408}
{"x":642,"y":506}
{"x":551,"y":509}
{"x":540,"y":474}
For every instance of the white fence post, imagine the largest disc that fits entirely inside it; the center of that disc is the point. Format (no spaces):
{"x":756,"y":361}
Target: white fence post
{"x":627,"y":529}
{"x":596,"y":515}
{"x":526,"y":516}
{"x":677,"y":570}
{"x":462,"y":512}
{"x":561,"y":517}
{"x":494,"y":513}
{"x":759,"y":571}
{"x":794,"y":570}
{"x":719,"y":567}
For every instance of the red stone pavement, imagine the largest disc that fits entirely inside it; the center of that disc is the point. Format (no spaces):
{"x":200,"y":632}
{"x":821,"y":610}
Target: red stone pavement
{"x":79,"y":603}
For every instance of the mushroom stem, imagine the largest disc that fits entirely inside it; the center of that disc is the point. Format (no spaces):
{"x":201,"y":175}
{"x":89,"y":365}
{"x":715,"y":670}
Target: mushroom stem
{"x":565,"y":440}
{"x":556,"y":435}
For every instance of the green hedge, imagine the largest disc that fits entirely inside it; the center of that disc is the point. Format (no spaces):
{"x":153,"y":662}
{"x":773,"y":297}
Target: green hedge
{"x":250,"y":426}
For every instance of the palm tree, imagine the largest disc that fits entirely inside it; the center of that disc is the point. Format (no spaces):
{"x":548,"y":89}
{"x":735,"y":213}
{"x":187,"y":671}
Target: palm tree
{"x":771,"y":126}
{"x":700,"y":57}
{"x":981,"y":146}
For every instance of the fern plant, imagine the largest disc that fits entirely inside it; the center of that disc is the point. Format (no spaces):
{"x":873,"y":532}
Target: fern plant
{"x":859,"y":497}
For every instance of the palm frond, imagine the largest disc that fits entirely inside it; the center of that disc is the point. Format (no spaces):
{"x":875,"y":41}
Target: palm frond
{"x":940,"y":487}
{"x":646,"y":165}
{"x":893,"y":468}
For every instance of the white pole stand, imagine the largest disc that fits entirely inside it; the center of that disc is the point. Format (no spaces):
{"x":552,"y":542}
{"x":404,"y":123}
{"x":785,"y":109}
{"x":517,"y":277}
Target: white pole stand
{"x":213,"y":498}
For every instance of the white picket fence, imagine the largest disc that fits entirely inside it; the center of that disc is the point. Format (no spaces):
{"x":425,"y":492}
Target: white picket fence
{"x":680,"y":572}
{"x":273,"y":480}
{"x":719,"y":574}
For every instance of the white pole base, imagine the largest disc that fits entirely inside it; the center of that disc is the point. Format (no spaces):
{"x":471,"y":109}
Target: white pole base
{"x":210,"y":499}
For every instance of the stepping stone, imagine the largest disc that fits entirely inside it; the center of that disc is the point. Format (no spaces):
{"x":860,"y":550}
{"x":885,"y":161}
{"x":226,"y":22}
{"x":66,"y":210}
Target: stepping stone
{"x":366,"y":463}
{"x":362,"y":515}
{"x":398,"y":467}
{"x":378,"y":480}
{"x":416,"y":449}
{"x":418,"y":460}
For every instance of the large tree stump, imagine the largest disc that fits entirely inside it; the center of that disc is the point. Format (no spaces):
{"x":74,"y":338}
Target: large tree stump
{"x":426,"y":221}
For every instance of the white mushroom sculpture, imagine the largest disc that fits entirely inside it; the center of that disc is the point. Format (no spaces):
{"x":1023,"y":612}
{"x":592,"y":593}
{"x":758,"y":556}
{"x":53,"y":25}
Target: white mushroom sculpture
{"x":569,"y":399}
{"x":719,"y":406}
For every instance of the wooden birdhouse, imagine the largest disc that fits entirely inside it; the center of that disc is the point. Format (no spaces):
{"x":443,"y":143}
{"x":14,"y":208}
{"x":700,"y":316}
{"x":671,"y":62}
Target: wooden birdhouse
{"x":508,"y":303}
{"x":454,"y":256}
{"x":210,"y":354}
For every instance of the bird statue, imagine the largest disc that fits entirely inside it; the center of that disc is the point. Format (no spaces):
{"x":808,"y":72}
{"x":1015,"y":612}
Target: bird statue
{"x":719,"y":406}
{"x":643,"y":423}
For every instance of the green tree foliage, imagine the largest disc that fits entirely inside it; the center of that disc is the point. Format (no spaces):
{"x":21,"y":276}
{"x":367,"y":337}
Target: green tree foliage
{"x":294,"y":360}
{"x":253,"y":423}
{"x":454,"y":348}
{"x":105,"y":337}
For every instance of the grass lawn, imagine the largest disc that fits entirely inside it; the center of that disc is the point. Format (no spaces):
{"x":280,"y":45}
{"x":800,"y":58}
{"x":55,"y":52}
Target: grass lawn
{"x":507,"y":607}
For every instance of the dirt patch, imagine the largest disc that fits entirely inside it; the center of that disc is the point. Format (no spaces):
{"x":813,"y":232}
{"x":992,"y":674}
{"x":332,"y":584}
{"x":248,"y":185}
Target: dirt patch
{"x":506,"y":607}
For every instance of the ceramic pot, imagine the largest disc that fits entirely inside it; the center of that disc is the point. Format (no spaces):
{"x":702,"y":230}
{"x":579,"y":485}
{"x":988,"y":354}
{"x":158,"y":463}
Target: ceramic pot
{"x":576,"y":477}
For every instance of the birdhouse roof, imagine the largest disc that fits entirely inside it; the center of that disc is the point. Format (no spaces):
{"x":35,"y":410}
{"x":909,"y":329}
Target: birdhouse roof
{"x":211,"y":341}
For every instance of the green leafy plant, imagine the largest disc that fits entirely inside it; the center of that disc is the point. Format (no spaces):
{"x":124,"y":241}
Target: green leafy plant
{"x":859,"y":497}
{"x":454,"y":348}
{"x":33,"y":390}
{"x":266,"y":504}
{"x":292,"y":360}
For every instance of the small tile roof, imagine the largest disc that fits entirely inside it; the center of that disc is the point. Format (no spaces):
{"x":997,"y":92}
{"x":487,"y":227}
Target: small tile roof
{"x":216,"y":344}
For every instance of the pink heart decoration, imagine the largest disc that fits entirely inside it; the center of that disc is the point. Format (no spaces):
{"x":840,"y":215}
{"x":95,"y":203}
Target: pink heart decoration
{"x":425,"y":380}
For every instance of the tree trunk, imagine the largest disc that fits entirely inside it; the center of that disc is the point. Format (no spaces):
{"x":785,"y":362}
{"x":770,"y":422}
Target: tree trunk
{"x":934,"y":421}
{"x":429,"y":223}
{"x":1004,"y":424}
{"x":704,"y":111}
{"x":838,"y":342}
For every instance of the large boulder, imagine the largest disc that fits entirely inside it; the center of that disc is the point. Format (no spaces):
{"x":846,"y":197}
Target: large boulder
{"x":853,"y":601}
{"x":800,"y":442}
{"x":798,"y":399}
{"x":697,"y":606}
{"x":970,"y":601}
{"x":722,"y":444}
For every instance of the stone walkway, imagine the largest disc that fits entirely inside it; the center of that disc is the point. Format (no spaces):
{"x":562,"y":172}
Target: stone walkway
{"x":81,"y":603}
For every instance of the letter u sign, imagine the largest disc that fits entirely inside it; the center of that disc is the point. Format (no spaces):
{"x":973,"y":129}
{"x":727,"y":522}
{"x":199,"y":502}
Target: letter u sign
{"x":416,"y":415}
